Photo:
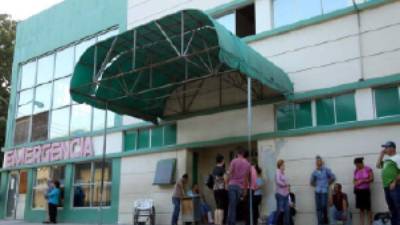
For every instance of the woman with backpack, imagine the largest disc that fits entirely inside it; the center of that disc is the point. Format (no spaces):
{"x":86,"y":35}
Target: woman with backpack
{"x":220,"y":193}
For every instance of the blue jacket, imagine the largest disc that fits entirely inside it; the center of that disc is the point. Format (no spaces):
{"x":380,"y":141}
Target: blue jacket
{"x":53,"y":196}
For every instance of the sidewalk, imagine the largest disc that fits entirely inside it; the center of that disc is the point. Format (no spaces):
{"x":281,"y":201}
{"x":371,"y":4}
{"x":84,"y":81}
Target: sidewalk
{"x":20,"y":222}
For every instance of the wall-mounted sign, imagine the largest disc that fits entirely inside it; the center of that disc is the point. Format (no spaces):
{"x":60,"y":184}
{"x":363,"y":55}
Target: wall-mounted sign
{"x":73,"y":149}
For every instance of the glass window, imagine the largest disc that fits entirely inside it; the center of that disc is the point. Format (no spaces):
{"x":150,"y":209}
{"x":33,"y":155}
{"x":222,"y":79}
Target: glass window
{"x":98,"y":119}
{"x":28,"y":75}
{"x":97,"y":184}
{"x":228,"y":21}
{"x":303,"y":116}
{"x":290,"y":11}
{"x":42,"y":98}
{"x":59,"y":123}
{"x":144,"y":138}
{"x":170,"y":134}
{"x":61,"y":96}
{"x":81,"y":118}
{"x":157,"y":137}
{"x":25,"y":103}
{"x":330,"y":6}
{"x":40,"y":126}
{"x":308,"y":8}
{"x":21,"y":132}
{"x":40,"y":187}
{"x":284,"y":12}
{"x":345,"y":108}
{"x":81,"y":48}
{"x":285,"y":117}
{"x":82,"y":181}
{"x":64,"y":62}
{"x":41,"y":182}
{"x":130,"y":140}
{"x":87,"y":184}
{"x":387,"y":101}
{"x":325,"y":111}
{"x":45,"y":69}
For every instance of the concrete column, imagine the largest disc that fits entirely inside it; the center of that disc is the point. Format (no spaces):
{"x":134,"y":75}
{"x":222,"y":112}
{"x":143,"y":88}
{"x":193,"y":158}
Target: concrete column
{"x":267,"y":161}
{"x":263,"y":11}
{"x":364,"y":104}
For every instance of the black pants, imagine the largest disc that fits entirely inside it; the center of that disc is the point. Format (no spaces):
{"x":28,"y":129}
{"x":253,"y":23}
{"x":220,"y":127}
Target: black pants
{"x":256,"y":201}
{"x":222,"y":200}
{"x":53,"y":213}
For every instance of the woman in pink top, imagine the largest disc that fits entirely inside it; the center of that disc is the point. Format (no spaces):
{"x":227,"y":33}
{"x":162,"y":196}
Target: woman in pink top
{"x":282,"y":193}
{"x":363,"y":177}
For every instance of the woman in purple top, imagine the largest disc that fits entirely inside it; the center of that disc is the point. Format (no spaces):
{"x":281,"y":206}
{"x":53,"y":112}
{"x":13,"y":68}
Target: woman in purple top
{"x":363,"y":177}
{"x":282,"y":193}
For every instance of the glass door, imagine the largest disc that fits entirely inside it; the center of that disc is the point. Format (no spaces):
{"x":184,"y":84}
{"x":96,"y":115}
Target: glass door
{"x":12,"y":195}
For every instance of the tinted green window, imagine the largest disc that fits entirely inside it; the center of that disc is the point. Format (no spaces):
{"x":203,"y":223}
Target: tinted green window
{"x":170,"y":134}
{"x":325,"y":111}
{"x":130,"y":140}
{"x":285,"y":117}
{"x":303,"y":115}
{"x":345,"y":108}
{"x":387,"y":101}
{"x":157,"y":137}
{"x":144,"y":139}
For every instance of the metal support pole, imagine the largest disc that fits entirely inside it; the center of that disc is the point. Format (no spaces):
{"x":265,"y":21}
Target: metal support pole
{"x":103,"y":163}
{"x":249,"y":132}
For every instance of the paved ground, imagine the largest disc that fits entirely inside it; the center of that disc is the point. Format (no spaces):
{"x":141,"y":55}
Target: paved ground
{"x":17,"y":222}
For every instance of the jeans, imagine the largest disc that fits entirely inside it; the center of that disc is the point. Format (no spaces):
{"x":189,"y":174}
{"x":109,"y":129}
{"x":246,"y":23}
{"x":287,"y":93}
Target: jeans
{"x":321,"y":201}
{"x":234,"y":192}
{"x":335,"y":215}
{"x":282,"y":207}
{"x":393,"y":202}
{"x":177,"y":208}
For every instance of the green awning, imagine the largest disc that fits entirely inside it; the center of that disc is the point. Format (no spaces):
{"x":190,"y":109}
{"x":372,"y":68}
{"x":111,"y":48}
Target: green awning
{"x":139,"y":71}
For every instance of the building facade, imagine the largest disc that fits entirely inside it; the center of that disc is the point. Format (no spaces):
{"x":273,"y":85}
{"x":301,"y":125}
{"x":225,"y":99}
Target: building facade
{"x":342,"y":59}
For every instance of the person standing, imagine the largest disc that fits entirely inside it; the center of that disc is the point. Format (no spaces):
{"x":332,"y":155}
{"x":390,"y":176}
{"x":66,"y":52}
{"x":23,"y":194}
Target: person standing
{"x":220,"y":192}
{"x":258,"y":194}
{"x":339,"y":206}
{"x":53,"y":200}
{"x":292,"y":205}
{"x":178,"y":194}
{"x":238,"y":180}
{"x":363,"y":177}
{"x":391,"y":179}
{"x":321,"y":179}
{"x":282,"y":193}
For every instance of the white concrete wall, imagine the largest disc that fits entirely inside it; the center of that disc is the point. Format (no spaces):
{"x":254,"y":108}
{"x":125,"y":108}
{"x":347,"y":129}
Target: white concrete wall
{"x":137,"y":174}
{"x":225,"y":124}
{"x":318,"y":56}
{"x":338,"y":150}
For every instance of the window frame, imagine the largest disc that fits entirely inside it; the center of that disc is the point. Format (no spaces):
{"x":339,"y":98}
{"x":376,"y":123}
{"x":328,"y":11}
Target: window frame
{"x":34,"y":184}
{"x":113,"y":30}
{"x":91,"y":185}
{"x":375,"y":108}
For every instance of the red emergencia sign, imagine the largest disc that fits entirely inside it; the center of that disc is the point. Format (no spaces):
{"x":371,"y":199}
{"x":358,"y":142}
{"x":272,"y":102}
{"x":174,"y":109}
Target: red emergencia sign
{"x":72,"y":149}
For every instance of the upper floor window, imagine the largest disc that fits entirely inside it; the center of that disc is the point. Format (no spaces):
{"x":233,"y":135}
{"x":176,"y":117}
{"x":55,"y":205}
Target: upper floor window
{"x":290,"y":11}
{"x":240,"y":22}
{"x":44,"y":104}
{"x":387,"y":101}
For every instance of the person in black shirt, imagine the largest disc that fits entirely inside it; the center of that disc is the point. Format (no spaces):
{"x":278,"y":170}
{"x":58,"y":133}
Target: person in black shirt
{"x":339,"y":206}
{"x":220,"y":192}
{"x":292,"y":206}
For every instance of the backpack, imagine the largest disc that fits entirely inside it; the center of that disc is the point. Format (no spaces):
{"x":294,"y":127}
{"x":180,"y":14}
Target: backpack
{"x":210,"y":181}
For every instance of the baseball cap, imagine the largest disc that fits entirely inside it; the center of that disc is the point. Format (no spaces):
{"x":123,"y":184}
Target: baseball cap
{"x":389,"y":144}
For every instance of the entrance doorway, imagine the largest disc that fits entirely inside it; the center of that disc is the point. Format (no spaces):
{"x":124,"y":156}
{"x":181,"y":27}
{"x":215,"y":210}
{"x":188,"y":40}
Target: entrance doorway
{"x":12,"y":195}
{"x":204,"y":163}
